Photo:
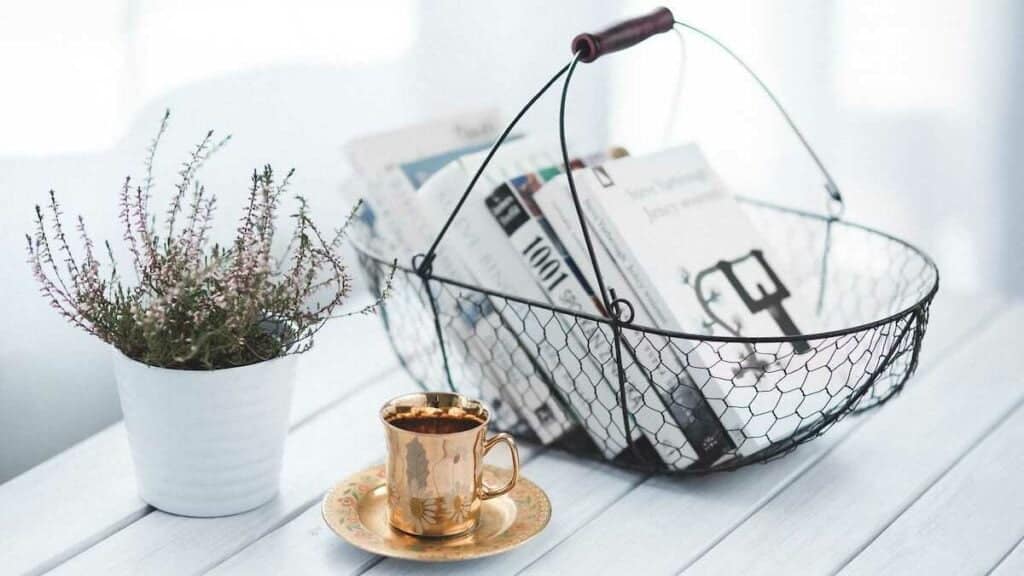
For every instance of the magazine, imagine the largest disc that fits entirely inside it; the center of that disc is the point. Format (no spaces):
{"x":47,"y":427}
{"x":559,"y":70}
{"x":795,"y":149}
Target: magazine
{"x":409,"y":146}
{"x":392,"y":166}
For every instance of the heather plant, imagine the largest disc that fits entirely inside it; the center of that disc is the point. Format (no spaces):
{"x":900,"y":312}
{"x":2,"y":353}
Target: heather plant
{"x":192,"y":303}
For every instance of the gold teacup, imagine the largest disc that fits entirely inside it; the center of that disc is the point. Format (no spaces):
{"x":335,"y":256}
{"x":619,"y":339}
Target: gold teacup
{"x":436,"y":449}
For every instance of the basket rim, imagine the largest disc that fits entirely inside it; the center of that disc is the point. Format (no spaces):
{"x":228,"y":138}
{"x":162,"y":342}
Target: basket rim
{"x":902,"y":313}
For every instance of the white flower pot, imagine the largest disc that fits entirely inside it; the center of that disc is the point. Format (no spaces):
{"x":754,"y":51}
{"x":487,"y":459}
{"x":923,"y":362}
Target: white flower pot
{"x":206,"y":443}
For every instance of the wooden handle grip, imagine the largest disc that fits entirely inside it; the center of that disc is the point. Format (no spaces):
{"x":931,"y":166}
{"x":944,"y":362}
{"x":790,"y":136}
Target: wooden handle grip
{"x":622,"y":35}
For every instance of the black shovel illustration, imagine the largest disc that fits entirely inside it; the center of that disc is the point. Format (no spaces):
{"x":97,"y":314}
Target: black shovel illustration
{"x":765,"y":300}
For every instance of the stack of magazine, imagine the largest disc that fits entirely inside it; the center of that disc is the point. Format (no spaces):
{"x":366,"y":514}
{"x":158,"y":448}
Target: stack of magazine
{"x":669,"y":238}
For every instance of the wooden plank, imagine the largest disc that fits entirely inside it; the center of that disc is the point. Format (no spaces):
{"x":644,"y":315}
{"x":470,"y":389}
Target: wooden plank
{"x":303,"y":546}
{"x":95,"y":478}
{"x":826,"y":516}
{"x":1013,"y":563}
{"x":329,"y":446}
{"x":667,"y":523}
{"x":966,"y":522}
{"x":307,"y":546}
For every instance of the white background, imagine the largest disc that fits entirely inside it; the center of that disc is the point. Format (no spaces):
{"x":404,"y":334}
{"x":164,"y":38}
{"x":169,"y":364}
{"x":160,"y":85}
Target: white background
{"x":911,"y":103}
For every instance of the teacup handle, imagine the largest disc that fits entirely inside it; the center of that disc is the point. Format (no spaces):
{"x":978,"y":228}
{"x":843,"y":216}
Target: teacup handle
{"x":487,"y":492}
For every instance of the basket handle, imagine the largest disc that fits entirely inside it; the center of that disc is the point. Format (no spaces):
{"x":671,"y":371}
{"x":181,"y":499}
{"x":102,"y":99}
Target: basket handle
{"x":592,"y":46}
{"x":588,"y":47}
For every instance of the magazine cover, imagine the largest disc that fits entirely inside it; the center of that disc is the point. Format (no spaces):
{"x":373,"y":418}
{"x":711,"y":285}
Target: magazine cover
{"x":392,"y":166}
{"x":372,"y":154}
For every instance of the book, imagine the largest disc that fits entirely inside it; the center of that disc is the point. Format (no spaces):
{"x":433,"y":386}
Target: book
{"x":701,"y":267}
{"x":586,"y":344}
{"x":667,"y":404}
{"x":534,"y":237}
{"x":524,"y":377}
{"x":482,"y":245}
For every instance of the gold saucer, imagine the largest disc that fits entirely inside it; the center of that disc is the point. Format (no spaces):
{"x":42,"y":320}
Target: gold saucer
{"x":356,"y":509}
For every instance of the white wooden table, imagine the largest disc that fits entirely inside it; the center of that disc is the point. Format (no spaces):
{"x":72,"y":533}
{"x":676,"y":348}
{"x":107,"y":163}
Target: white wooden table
{"x":931,"y":483}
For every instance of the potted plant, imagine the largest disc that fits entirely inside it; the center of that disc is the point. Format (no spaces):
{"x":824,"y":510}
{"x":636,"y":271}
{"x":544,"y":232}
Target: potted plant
{"x":204,"y":336}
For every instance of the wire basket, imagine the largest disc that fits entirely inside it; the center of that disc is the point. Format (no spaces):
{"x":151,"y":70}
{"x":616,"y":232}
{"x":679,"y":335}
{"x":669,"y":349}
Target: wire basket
{"x":872,"y":294}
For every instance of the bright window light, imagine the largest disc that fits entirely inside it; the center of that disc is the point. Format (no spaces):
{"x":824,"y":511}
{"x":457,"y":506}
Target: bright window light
{"x":75,"y":73}
{"x":913,"y":54}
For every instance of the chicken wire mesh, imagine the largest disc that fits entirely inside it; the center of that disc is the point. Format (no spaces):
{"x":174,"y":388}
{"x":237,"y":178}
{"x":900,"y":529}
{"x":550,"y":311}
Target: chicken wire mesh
{"x":685,"y":403}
